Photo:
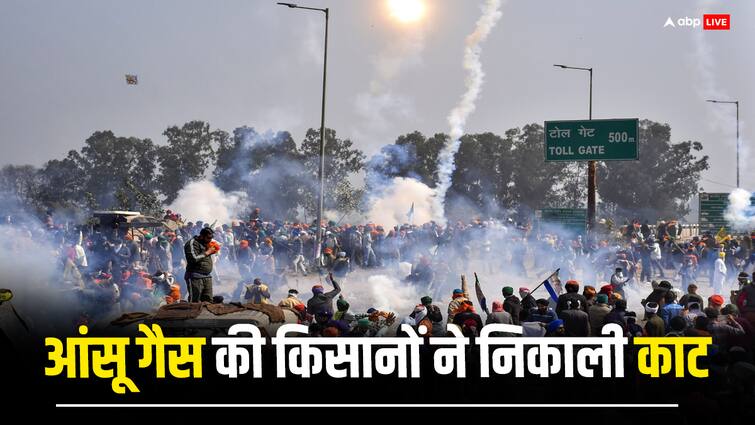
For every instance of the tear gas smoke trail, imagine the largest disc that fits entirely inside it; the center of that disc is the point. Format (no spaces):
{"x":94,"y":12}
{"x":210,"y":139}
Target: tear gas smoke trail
{"x":202,"y":200}
{"x":458,"y":117}
{"x":724,"y":119}
{"x":740,"y":213}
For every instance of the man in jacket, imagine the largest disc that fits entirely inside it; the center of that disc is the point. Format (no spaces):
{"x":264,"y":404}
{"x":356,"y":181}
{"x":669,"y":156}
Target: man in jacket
{"x":322,"y":301}
{"x":598,"y":313}
{"x":572,"y":294}
{"x":199,"y":252}
{"x":257,"y":293}
{"x":691,"y":296}
{"x":617,"y":315}
{"x":542,"y":313}
{"x":435,"y":316}
{"x":512,"y":305}
{"x":576,"y":321}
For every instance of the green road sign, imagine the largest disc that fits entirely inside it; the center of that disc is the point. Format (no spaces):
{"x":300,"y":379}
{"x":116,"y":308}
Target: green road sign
{"x":592,"y":140}
{"x":572,"y":220}
{"x":711,"y":212}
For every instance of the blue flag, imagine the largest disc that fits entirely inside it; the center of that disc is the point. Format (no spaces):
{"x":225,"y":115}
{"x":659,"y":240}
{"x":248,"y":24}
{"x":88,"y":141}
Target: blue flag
{"x":548,"y":283}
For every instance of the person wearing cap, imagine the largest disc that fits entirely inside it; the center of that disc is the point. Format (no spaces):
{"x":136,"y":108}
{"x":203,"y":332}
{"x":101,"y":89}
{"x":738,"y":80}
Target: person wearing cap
{"x":434,"y":315}
{"x":572,"y":294}
{"x":322,"y":301}
{"x":597,"y":314}
{"x":199,"y":264}
{"x":513,"y":306}
{"x":292,"y":300}
{"x":654,"y":325}
{"x":719,"y":274}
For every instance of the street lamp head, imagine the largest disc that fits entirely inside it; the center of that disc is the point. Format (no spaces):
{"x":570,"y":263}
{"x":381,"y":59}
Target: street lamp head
{"x":560,"y":66}
{"x":712,"y":101}
{"x":291,"y":5}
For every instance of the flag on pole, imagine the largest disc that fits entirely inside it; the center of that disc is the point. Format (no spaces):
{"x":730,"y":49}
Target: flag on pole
{"x":549,"y":283}
{"x":410,"y":214}
{"x":480,"y":296}
{"x":132,"y":79}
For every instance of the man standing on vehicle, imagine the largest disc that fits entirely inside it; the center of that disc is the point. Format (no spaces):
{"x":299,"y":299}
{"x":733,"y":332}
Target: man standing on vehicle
{"x":199,"y":251}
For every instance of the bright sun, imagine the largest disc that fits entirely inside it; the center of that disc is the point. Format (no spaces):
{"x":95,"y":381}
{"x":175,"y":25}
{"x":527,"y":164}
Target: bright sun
{"x":407,"y":11}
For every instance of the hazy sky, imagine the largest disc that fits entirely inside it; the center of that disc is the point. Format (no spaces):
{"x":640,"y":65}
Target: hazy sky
{"x":251,"y":62}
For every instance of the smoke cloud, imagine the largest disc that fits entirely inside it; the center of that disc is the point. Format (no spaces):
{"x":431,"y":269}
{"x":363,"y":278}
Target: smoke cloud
{"x":393,"y":206}
{"x":740,"y":213}
{"x":202,"y":200}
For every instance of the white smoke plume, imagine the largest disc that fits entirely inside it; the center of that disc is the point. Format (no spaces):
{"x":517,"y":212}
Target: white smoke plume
{"x":458,"y":116}
{"x":724,"y":118}
{"x":740,"y":213}
{"x":393,"y":206}
{"x":202,"y":200}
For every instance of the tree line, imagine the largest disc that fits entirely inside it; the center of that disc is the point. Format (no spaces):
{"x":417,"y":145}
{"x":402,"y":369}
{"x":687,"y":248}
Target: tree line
{"x":495,"y":175}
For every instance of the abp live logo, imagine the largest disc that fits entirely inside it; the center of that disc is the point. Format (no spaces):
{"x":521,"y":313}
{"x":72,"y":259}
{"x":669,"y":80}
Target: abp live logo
{"x":717,"y":22}
{"x":713,"y":21}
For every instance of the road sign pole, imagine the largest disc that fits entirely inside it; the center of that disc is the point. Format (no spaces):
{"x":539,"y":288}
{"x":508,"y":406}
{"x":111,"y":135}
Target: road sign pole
{"x":591,"y":180}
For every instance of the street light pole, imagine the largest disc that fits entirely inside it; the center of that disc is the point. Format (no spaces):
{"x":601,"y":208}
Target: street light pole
{"x":592,"y":179}
{"x":734,"y":102}
{"x":321,"y":172}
